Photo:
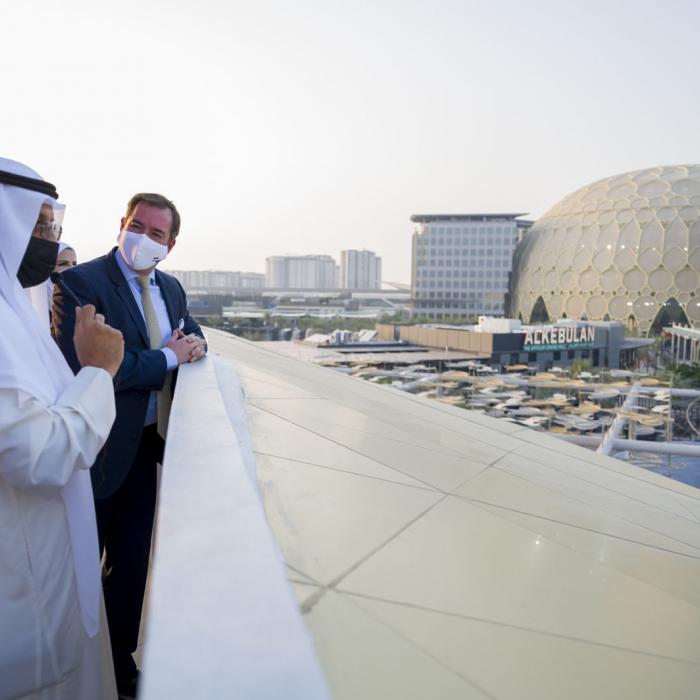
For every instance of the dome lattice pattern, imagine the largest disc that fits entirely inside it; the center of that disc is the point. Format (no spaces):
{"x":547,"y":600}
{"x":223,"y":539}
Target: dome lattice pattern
{"x":623,"y":249}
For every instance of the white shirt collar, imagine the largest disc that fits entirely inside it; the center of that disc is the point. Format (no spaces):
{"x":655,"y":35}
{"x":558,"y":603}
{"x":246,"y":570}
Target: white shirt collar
{"x":128,"y":272}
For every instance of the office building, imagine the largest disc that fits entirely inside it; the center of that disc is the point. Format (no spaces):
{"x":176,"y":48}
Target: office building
{"x":462,"y":263}
{"x":360,"y":269}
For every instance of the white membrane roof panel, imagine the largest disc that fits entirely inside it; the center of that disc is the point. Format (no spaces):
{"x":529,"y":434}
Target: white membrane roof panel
{"x":439,"y":553}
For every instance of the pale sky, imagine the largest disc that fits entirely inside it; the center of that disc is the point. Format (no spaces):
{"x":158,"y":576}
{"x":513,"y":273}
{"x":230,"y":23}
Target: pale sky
{"x":310,"y":127}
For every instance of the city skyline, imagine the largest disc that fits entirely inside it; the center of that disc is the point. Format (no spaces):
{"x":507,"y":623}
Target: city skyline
{"x":317,"y":127}
{"x":342,"y":284}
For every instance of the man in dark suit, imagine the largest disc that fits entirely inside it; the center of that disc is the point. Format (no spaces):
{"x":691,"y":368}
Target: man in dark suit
{"x":149,"y":307}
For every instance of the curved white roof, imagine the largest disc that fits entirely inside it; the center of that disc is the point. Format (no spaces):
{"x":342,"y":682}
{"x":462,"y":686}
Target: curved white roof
{"x":438,"y":553}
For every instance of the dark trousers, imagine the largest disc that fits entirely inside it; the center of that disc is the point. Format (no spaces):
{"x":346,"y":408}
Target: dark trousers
{"x":124,"y":527}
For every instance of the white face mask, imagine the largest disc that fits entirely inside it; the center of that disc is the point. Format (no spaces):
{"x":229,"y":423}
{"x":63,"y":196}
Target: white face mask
{"x":139,"y":251}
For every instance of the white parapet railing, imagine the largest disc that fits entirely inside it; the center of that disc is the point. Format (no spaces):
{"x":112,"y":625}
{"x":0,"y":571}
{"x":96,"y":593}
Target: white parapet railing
{"x":223,"y":621}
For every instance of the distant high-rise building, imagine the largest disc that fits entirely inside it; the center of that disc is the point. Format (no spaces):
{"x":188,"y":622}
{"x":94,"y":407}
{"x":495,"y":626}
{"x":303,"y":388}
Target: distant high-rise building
{"x":301,"y":272}
{"x":462,"y":263}
{"x":249,"y":280}
{"x":360,"y":269}
{"x":218,"y":280}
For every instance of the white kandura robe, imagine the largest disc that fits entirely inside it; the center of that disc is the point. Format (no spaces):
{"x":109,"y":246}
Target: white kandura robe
{"x":44,"y":650}
{"x":54,"y":642}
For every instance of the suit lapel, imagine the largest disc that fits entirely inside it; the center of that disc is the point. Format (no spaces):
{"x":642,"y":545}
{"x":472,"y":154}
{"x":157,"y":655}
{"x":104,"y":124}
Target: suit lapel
{"x":166,"y":292}
{"x":127,"y":297}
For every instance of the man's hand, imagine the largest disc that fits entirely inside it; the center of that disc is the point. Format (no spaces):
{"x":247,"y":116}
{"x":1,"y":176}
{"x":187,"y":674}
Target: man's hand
{"x":187,"y":348}
{"x":96,"y":343}
{"x":197,"y":347}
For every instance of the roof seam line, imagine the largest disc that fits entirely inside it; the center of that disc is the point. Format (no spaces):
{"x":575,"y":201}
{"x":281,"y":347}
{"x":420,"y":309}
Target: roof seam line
{"x":604,"y":510}
{"x":340,"y":444}
{"x":576,"y":527}
{"x":482,"y":471}
{"x":521,"y":628}
{"x":347,"y":471}
{"x":424,"y":651}
{"x":621,"y":494}
{"x":454,"y":454}
{"x":332,"y":584}
{"x":673,"y":491}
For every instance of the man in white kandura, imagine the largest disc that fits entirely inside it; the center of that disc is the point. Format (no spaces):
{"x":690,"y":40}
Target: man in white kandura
{"x":53,"y":638}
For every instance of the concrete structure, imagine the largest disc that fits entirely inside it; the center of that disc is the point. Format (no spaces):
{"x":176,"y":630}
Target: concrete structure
{"x":507,"y":342}
{"x":217,"y":281}
{"x":624,"y":249}
{"x":360,"y":269}
{"x":462,"y":263}
{"x":301,"y":272}
{"x":433,"y":552}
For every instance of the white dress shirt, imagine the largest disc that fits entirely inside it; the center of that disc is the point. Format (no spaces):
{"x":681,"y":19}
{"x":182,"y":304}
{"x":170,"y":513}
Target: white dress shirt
{"x":163,"y":321}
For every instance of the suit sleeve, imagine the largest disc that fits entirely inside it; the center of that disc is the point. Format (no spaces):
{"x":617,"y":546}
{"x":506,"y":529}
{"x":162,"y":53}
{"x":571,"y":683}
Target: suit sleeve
{"x":140,"y":369}
{"x":191,"y":326}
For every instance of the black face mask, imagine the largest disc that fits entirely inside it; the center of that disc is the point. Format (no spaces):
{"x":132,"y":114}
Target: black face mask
{"x":38,"y":262}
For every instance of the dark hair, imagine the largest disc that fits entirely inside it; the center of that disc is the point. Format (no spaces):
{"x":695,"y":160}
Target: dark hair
{"x":156,"y":200}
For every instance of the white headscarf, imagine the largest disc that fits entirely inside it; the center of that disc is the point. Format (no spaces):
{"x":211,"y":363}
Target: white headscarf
{"x":31,"y":362}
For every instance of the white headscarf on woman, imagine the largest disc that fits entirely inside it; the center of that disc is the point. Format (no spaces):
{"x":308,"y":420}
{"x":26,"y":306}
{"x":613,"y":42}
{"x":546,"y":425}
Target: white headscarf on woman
{"x":32,"y":362}
{"x":62,"y":245}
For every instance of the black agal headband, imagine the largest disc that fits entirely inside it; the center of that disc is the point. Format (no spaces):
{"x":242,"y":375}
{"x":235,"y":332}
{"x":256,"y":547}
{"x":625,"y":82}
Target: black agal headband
{"x":28,"y":183}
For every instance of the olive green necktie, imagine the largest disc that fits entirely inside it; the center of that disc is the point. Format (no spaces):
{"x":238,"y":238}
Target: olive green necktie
{"x":154,"y":336}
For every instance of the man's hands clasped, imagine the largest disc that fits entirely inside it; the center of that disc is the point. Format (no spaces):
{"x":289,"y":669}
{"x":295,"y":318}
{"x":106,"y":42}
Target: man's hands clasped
{"x":187,"y":348}
{"x":100,"y":345}
{"x":96,"y":343}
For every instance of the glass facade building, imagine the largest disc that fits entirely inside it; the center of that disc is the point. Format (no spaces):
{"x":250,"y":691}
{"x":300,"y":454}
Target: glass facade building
{"x":461,"y":263}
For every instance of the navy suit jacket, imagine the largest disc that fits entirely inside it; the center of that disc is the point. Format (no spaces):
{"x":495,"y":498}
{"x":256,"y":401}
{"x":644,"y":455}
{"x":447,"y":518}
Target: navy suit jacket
{"x":101,"y":282}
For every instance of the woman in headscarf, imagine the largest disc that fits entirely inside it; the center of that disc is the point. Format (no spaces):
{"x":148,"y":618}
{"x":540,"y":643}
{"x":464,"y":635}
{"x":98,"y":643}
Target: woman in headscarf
{"x":66,"y":257}
{"x":53,"y":637}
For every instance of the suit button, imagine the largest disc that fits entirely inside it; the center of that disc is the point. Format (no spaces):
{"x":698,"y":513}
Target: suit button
{"x":142,"y":400}
{"x":134,"y":436}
